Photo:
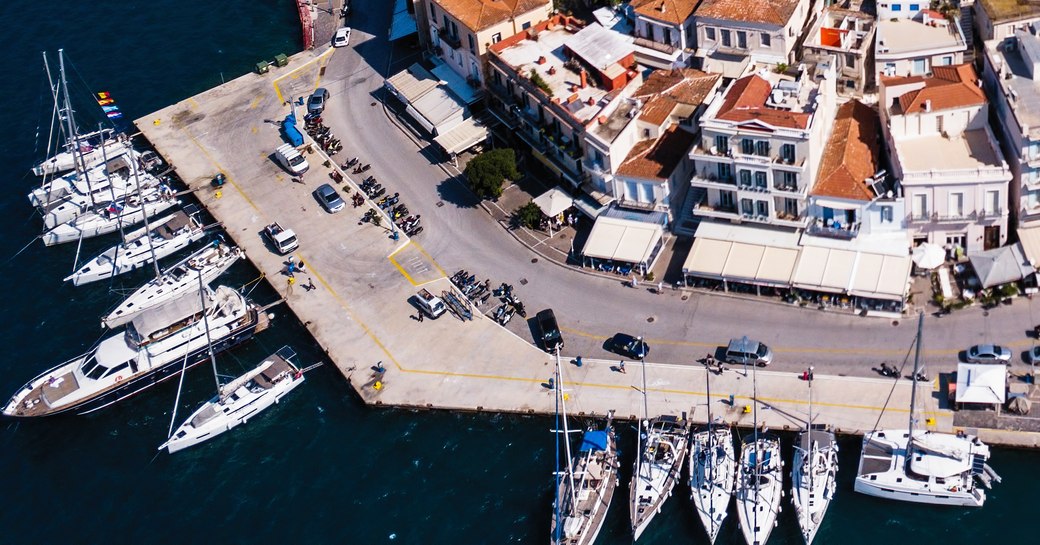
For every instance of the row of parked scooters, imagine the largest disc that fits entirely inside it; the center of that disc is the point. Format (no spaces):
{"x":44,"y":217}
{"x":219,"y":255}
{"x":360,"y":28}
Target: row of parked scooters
{"x":322,"y":134}
{"x":390,"y":204}
{"x":480,"y":293}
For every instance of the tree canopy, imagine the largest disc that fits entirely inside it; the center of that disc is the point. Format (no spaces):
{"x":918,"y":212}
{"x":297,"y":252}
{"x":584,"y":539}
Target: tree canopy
{"x":488,"y":171}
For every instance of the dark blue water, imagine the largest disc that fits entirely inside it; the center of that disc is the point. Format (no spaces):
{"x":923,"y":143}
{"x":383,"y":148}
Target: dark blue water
{"x":321,"y":468}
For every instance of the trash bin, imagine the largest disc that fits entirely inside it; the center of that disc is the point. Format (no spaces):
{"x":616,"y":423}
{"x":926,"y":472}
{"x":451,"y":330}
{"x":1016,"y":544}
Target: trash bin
{"x":263,"y":67}
{"x":281,"y":60}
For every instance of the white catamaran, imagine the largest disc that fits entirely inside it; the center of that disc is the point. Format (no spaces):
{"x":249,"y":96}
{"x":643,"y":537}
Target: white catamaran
{"x":209,"y":262}
{"x":113,"y":216}
{"x":713,"y":471}
{"x":142,"y":247}
{"x":586,"y":485}
{"x":760,"y":481}
{"x":813,"y":474}
{"x":932,"y":467}
{"x":239,"y":400}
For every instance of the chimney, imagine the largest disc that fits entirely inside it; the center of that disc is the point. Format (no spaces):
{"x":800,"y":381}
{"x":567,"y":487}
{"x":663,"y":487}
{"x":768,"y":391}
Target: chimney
{"x":552,"y":70}
{"x":928,"y":105}
{"x":584,"y":78}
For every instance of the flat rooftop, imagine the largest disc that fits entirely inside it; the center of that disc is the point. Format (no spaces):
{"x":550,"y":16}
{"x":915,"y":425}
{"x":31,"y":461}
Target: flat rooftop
{"x":970,"y":150}
{"x":616,"y":121}
{"x":904,"y":36}
{"x":841,"y":30}
{"x":1001,"y":11}
{"x":1020,"y":85}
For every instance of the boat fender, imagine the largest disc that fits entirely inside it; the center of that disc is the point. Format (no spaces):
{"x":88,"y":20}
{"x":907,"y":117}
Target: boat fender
{"x":119,"y":378}
{"x":954,"y":489}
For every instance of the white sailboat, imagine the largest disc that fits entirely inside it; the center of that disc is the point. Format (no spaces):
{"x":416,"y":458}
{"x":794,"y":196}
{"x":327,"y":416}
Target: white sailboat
{"x":239,"y":400}
{"x":760,"y":481}
{"x":923,"y":466}
{"x":94,"y":148}
{"x":713,"y":470}
{"x":113,"y":216}
{"x":209,"y":263}
{"x":142,"y":247}
{"x":586,"y":485}
{"x":663,"y":443}
{"x":813,"y":474}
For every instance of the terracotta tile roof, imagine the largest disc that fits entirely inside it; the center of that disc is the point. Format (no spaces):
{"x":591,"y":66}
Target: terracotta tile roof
{"x":949,"y":87}
{"x":657,"y":158}
{"x":666,"y":89}
{"x":775,"y":12}
{"x":670,"y":11}
{"x":746,"y":101}
{"x":851,"y":155}
{"x":478,"y":15}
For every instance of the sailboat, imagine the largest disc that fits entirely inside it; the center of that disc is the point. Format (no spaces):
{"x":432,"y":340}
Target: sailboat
{"x":923,"y":466}
{"x":209,"y":263}
{"x":239,"y":400}
{"x":113,"y":216}
{"x":61,"y":200}
{"x":760,"y":481}
{"x":93,"y":149}
{"x":713,"y":468}
{"x":157,"y":345}
{"x":143,"y":246}
{"x":586,"y":485}
{"x":813,"y":474}
{"x":662,"y":450}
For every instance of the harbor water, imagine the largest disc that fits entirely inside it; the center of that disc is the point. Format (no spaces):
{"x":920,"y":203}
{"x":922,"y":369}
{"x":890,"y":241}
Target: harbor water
{"x":320,"y":467}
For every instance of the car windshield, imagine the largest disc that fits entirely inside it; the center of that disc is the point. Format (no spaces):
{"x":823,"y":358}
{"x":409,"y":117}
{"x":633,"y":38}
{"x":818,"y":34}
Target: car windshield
{"x":762,"y":350}
{"x":316,"y":99}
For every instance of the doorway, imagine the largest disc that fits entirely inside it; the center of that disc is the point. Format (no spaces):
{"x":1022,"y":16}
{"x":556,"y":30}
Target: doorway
{"x":991,"y":237}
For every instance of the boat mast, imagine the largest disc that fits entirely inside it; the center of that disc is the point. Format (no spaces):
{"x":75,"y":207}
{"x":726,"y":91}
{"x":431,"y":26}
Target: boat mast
{"x":144,"y":212}
{"x":913,"y":390}
{"x":758,"y":452}
{"x":77,"y":154}
{"x":205,"y":323}
{"x":808,"y":453}
{"x":566,"y":431}
{"x":646,"y":411}
{"x":56,"y":111}
{"x":558,"y":529}
{"x":710,"y":471}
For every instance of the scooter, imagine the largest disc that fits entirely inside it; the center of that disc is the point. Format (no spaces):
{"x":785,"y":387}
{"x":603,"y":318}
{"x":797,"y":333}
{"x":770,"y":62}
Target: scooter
{"x":350,"y":163}
{"x":362,"y":168}
{"x":888,"y":371}
{"x":414,"y":231}
{"x":508,"y":315}
{"x":378,"y":192}
{"x":336,"y":176}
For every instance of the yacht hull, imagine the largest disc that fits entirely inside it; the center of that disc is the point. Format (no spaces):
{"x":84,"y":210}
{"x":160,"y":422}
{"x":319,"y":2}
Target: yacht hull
{"x":958,"y":499}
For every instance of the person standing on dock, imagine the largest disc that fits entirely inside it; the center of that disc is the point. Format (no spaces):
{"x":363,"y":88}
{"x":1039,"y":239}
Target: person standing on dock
{"x":420,"y":317}
{"x":292,"y":280}
{"x":621,"y":368}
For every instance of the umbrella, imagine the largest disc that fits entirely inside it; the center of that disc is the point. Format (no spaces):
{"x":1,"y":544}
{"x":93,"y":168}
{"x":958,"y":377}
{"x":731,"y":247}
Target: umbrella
{"x":1020,"y":405}
{"x":929,"y":256}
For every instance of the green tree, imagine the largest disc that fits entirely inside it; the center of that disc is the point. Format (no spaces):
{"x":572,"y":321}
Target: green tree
{"x":488,"y":171}
{"x":529,"y":215}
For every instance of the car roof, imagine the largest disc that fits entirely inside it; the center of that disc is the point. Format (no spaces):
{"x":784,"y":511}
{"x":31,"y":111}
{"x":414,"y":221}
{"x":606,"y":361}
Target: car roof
{"x":546,"y":315}
{"x":326,"y":189}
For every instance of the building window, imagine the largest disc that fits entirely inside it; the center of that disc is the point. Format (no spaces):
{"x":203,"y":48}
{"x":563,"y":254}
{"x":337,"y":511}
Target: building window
{"x":742,"y":39}
{"x":725,"y":172}
{"x":915,"y":7}
{"x":760,"y":180}
{"x":745,"y":178}
{"x":920,"y":67}
{"x":722,"y":144}
{"x":886,"y":214}
{"x":525,"y":26}
{"x":472,"y":48}
{"x":747,"y":146}
{"x":763,"y":208}
{"x":646,"y":133}
{"x":766,"y":39}
{"x":787,"y":153}
{"x":789,"y":181}
{"x":1033,"y":199}
{"x":897,"y":7}
{"x":726,"y":199}
{"x":920,"y":205}
{"x":726,"y":38}
{"x":747,"y":207}
{"x":496,"y":37}
{"x":850,"y":60}
{"x":956,"y":205}
{"x":992,"y":202}
{"x":709,"y":33}
{"x":791,"y":207}
{"x":762,"y":148}
{"x":433,"y":13}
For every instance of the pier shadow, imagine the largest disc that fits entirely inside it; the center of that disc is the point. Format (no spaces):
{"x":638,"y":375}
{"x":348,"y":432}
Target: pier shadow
{"x":798,"y":420}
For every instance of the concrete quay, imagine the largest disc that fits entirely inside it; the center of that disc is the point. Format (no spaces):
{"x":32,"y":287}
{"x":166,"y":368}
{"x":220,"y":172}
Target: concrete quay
{"x":359,"y":309}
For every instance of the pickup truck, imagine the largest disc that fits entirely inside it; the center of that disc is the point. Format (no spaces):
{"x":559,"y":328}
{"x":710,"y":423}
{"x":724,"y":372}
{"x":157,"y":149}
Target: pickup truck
{"x":430,"y":303}
{"x":283,"y":240}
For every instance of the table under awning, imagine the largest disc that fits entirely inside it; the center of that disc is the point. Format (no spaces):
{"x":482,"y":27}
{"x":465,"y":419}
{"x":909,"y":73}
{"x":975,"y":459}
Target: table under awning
{"x":624,"y":240}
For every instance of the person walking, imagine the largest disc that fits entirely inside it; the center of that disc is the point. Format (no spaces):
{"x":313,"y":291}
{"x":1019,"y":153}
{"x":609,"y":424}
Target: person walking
{"x":421,"y":315}
{"x":621,"y":368}
{"x":292,"y":280}
{"x":577,"y":361}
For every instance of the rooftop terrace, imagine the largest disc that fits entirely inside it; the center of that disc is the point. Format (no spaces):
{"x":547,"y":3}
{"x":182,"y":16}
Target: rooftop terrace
{"x":971,"y":151}
{"x":904,"y":36}
{"x":1017,"y":60}
{"x":1009,"y":10}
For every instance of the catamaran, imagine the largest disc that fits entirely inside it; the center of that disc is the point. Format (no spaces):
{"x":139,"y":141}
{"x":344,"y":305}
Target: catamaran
{"x":759,"y":482}
{"x":209,"y":263}
{"x":813,"y":474}
{"x":113,"y":216}
{"x":713,"y":468}
{"x":586,"y":485}
{"x":143,"y":246}
{"x":239,"y":400}
{"x":157,"y":345}
{"x":923,"y":466}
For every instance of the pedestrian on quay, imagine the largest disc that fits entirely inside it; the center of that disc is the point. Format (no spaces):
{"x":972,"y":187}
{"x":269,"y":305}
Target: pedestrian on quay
{"x":292,"y":280}
{"x":660,"y":287}
{"x":621,"y":368}
{"x":577,"y":361}
{"x":635,"y":282}
{"x":421,"y":314}
{"x":310,"y":284}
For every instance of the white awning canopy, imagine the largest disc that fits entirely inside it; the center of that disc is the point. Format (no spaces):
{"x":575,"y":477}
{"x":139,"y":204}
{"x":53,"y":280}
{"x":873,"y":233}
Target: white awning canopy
{"x":428,"y":100}
{"x":883,"y":276}
{"x":740,"y":262}
{"x":836,"y":204}
{"x":1029,"y":237}
{"x":1001,"y":265}
{"x":554,"y":202}
{"x":464,"y":136}
{"x":623,"y":240}
{"x":981,"y":383}
{"x":457,"y":83}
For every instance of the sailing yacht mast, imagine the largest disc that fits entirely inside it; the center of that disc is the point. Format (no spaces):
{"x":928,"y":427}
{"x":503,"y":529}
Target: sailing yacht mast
{"x":56,"y":110}
{"x":645,"y":424}
{"x":809,"y":453}
{"x":913,"y":393}
{"x":148,"y":228}
{"x":711,"y":447}
{"x":566,"y":432}
{"x":77,"y":154}
{"x":205,"y":324}
{"x":758,"y":452}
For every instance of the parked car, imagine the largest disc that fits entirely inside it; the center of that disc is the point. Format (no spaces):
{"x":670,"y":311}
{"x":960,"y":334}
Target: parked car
{"x":629,"y":346}
{"x":329,"y":198}
{"x":341,"y":38}
{"x":988,"y":353}
{"x":1033,"y":356}
{"x":747,"y":350}
{"x":549,"y":330}
{"x":316,"y":104}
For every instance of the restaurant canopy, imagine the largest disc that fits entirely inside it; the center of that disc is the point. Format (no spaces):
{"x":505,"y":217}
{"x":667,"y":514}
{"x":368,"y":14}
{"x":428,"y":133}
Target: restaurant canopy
{"x":981,"y":383}
{"x":1000,"y":265}
{"x":554,"y":202}
{"x":624,"y":240}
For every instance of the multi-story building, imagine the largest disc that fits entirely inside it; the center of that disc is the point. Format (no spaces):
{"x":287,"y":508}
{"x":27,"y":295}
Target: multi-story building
{"x":999,"y":19}
{"x":733,"y":33}
{"x":760,"y":147}
{"x":912,"y":39}
{"x":946,"y":158}
{"x":548,"y":82}
{"x":664,"y":31}
{"x":848,"y":36}
{"x":460,"y":31}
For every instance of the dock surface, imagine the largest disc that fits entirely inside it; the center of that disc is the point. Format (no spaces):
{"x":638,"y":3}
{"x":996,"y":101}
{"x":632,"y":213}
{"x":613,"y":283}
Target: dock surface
{"x":360,"y":309}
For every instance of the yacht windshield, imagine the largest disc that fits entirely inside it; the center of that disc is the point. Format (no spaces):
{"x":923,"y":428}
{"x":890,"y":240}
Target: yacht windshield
{"x":89,"y":365}
{"x":97,"y":371}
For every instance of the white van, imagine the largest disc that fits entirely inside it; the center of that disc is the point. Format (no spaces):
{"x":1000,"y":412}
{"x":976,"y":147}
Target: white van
{"x":430,"y":303}
{"x":291,"y":159}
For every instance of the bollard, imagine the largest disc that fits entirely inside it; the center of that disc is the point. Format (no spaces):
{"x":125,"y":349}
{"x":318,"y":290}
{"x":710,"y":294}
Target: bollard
{"x":732,"y":400}
{"x":747,"y":409}
{"x":378,"y":385}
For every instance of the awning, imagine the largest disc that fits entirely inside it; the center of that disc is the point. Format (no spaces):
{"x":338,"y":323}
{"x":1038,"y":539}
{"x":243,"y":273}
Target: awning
{"x":1029,"y":238}
{"x":464,"y":136}
{"x":403,"y":23}
{"x":777,"y":266}
{"x":836,"y":204}
{"x":707,"y":257}
{"x":740,"y":262}
{"x":554,"y":202}
{"x":623,"y":240}
{"x":431,"y":103}
{"x":881,"y":276}
{"x":1001,"y":265}
{"x":458,"y":84}
{"x":981,"y":383}
{"x":812,"y":264}
{"x":744,"y":261}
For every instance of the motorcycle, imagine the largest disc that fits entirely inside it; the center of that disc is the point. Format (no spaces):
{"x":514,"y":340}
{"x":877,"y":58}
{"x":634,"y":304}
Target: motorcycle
{"x":362,"y":168}
{"x":336,"y":176}
{"x":350,"y":163}
{"x":888,"y":371}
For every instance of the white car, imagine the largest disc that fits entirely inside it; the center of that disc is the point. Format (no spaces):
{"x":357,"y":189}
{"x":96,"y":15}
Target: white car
{"x":341,"y":38}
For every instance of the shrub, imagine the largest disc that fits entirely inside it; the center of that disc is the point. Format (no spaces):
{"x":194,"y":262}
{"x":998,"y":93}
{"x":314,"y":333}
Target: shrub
{"x":488,"y":171}
{"x":540,"y":83}
{"x":529,"y":215}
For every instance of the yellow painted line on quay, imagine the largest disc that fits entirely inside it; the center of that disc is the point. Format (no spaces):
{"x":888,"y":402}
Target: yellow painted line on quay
{"x":293,"y":74}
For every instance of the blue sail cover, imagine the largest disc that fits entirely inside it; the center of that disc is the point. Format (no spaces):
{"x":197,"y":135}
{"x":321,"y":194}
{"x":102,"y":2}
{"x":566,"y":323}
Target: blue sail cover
{"x":292,"y":134}
{"x":594,"y":440}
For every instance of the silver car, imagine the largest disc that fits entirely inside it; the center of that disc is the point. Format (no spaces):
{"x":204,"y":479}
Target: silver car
{"x":329,"y":198}
{"x":988,"y":353}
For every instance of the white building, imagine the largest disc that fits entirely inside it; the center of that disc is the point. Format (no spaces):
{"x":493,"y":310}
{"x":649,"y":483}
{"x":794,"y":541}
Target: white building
{"x":912,"y":39}
{"x":731,"y":34}
{"x":760,"y":147}
{"x":946,"y":158}
{"x":664,"y":31}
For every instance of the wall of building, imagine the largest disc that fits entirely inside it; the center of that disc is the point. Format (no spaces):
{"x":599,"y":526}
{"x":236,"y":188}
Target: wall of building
{"x":906,"y":65}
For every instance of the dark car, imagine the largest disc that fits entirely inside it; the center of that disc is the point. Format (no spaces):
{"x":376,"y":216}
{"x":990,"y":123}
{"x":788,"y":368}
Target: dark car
{"x":549,"y":330}
{"x":329,"y":198}
{"x":629,"y":346}
{"x":316,"y":104}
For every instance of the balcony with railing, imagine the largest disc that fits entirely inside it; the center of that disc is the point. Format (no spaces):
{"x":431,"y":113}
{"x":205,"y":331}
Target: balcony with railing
{"x":785,"y":219}
{"x":711,"y":179}
{"x":784,"y":187}
{"x":450,"y":40}
{"x":751,"y":158}
{"x":711,"y":152}
{"x":820,"y":227}
{"x":717,"y":210}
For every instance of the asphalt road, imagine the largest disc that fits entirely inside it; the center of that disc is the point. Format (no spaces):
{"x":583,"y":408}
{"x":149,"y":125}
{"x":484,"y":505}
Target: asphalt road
{"x":459,"y":234}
